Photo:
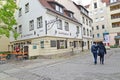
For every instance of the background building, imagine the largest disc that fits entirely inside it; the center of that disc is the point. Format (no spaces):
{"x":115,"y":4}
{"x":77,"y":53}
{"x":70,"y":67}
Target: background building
{"x":106,"y":21}
{"x":98,"y":12}
{"x":114,"y":21}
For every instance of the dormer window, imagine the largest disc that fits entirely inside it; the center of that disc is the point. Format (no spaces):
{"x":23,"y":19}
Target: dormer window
{"x":59,"y":8}
{"x":71,"y":15}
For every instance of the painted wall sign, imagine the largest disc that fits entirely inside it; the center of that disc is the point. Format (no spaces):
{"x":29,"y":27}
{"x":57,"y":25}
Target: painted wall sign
{"x":63,"y":33}
{"x":27,"y":35}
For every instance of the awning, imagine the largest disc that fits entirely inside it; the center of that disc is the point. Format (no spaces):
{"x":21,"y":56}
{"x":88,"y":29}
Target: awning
{"x":117,"y":37}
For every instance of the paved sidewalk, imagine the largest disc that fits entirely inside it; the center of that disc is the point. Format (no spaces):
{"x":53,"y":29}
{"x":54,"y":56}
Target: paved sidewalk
{"x":78,"y":67}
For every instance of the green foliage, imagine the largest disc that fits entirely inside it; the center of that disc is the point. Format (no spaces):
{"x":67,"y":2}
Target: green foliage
{"x":114,"y":46}
{"x":5,"y":52}
{"x":62,"y":47}
{"x":7,"y":19}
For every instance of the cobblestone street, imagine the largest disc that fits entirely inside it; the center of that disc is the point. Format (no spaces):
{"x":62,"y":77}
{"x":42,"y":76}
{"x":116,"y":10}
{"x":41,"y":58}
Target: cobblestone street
{"x":79,"y":67}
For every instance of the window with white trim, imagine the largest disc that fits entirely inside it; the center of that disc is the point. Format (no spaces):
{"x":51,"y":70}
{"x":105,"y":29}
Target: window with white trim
{"x":16,"y":29}
{"x":20,"y":12}
{"x":83,"y":19}
{"x":59,"y":24}
{"x":66,"y":26}
{"x":61,"y":44}
{"x":95,"y":5}
{"x":87,"y":32}
{"x":59,"y":8}
{"x":39,"y":22}
{"x":84,"y":32}
{"x":77,"y":29}
{"x":26,"y":7}
{"x":20,"y":29}
{"x":86,"y":21}
{"x":103,"y":26}
{"x":31,"y":25}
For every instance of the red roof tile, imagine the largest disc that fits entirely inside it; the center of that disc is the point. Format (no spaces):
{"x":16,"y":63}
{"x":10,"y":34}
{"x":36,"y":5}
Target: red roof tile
{"x":47,"y":5}
{"x":106,"y":1}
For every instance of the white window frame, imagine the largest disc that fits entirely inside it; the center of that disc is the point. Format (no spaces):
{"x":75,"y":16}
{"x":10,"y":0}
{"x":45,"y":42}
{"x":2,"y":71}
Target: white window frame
{"x":31,"y":25}
{"x":78,"y":29}
{"x":20,"y":29}
{"x":16,"y":29}
{"x":66,"y":26}
{"x":26,"y":7}
{"x":39,"y":22}
{"x":59,"y":24}
{"x":59,"y":8}
{"x":20,"y":12}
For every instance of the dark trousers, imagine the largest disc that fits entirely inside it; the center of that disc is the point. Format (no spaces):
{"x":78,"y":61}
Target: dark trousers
{"x":101,"y":59}
{"x":95,"y":58}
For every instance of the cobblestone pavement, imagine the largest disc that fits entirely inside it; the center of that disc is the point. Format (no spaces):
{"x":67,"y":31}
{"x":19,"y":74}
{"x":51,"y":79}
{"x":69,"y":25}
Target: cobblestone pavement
{"x":79,"y":67}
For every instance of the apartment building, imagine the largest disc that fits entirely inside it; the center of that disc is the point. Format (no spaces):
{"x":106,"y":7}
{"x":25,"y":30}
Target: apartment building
{"x":82,"y":15}
{"x":114,"y":20}
{"x":105,"y":15}
{"x":46,"y":27}
{"x":100,"y":26}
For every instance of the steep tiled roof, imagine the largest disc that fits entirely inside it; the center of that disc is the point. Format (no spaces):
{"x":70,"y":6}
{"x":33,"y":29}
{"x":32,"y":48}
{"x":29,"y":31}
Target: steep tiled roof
{"x":48,"y":5}
{"x":79,"y":6}
{"x":87,"y":6}
{"x":106,"y":1}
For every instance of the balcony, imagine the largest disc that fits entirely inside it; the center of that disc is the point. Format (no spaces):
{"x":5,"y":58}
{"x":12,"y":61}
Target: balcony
{"x":116,"y":20}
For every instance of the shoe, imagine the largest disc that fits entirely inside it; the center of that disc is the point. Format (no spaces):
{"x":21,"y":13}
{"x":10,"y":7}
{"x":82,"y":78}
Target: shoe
{"x":95,"y":63}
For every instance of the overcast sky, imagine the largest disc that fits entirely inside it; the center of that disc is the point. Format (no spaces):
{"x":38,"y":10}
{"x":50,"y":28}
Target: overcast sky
{"x":84,"y":2}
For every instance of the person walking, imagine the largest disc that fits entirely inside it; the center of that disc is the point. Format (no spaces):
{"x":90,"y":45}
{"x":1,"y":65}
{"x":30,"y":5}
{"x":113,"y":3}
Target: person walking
{"x":101,"y":52}
{"x":94,"y":49}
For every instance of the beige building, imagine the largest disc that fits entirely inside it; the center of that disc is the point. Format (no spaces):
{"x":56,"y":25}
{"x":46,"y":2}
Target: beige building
{"x":4,"y":43}
{"x":114,"y":20}
{"x":100,"y":26}
{"x":106,"y":20}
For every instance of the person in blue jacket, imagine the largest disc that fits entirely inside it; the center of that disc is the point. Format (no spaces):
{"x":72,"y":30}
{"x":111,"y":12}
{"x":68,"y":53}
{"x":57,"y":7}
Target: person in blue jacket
{"x":101,"y":52}
{"x":94,"y":49}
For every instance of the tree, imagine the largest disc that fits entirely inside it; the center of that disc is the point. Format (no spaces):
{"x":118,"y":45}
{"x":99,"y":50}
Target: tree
{"x":7,"y":19}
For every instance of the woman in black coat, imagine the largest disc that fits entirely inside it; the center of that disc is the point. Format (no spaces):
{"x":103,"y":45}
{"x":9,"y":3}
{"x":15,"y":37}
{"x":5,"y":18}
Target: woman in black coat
{"x":101,"y":52}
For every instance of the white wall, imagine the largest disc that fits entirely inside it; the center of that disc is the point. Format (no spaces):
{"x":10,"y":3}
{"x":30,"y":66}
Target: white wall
{"x":63,"y":33}
{"x":36,"y":10}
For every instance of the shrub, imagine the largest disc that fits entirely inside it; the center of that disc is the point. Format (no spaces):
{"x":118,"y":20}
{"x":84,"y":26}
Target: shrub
{"x":114,"y":46}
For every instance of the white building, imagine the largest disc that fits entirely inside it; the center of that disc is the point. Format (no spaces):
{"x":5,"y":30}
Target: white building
{"x":46,"y":27}
{"x":82,"y":15}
